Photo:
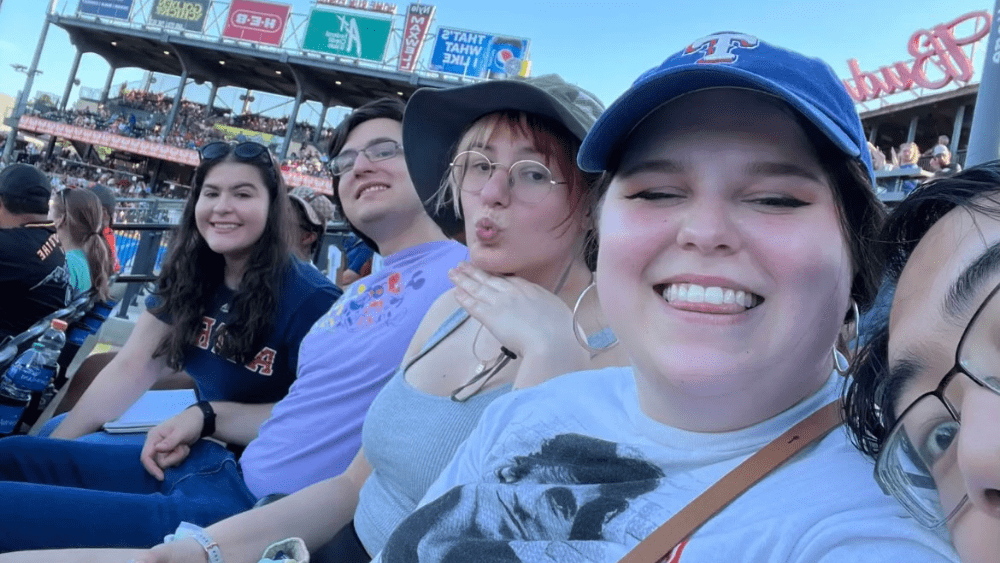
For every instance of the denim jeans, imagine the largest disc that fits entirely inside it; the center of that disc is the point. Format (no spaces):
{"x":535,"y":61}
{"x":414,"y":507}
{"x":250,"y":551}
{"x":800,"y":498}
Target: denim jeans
{"x":61,"y":494}
{"x":100,"y":437}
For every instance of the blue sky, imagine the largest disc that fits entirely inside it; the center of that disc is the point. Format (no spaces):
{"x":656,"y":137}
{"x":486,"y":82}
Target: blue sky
{"x":602,"y":46}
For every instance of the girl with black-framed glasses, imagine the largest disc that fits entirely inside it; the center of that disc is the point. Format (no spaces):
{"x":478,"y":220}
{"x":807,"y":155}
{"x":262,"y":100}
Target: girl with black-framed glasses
{"x":924,"y":400}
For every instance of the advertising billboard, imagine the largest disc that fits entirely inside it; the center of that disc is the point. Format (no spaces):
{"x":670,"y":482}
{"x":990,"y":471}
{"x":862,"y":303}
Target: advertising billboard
{"x":120,"y":9}
{"x":941,"y":55}
{"x":262,"y":22}
{"x":481,"y":55}
{"x":188,"y":15}
{"x":418,"y":21}
{"x":347,"y":34}
{"x":370,"y":6}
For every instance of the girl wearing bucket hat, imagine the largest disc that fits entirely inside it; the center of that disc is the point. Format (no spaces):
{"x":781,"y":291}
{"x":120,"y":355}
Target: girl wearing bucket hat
{"x":509,"y":322}
{"x":734,"y":237}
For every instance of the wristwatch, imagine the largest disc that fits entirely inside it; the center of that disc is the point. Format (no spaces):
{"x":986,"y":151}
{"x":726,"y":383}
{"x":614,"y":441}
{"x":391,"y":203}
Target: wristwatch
{"x":208,"y":426}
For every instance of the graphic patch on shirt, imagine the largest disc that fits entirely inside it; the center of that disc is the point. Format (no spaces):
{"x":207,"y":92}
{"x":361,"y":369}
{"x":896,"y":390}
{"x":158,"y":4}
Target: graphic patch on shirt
{"x":572,"y":500}
{"x":58,"y":277}
{"x":212,"y":334}
{"x":364,"y":306}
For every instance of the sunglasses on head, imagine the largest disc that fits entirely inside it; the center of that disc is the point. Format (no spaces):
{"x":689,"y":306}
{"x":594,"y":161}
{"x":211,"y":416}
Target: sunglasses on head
{"x":247,"y":152}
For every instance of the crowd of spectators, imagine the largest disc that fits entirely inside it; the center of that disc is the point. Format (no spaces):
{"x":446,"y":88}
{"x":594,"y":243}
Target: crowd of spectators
{"x":141,"y":114}
{"x":303,"y":132}
{"x":74,"y":174}
{"x":906,"y":168}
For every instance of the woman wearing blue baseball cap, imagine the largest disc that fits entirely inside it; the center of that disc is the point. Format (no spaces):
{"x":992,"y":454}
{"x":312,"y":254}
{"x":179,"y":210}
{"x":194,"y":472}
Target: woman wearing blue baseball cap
{"x":733,"y":229}
{"x":733,"y":232}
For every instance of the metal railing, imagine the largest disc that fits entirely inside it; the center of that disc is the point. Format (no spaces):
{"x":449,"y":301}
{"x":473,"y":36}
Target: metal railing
{"x":142,"y":247}
{"x":129,"y":211}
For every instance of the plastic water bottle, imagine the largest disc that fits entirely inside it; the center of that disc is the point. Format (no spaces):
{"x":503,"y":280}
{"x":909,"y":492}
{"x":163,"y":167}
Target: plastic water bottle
{"x":53,"y":340}
{"x":13,"y":401}
{"x":34,"y":369}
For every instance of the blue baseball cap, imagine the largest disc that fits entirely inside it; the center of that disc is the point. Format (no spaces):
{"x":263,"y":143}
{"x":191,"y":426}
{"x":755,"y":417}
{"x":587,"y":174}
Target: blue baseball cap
{"x":732,"y":60}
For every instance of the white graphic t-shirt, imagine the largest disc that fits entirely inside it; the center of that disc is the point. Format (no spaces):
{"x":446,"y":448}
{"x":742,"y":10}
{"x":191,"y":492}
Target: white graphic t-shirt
{"x":573,"y":471}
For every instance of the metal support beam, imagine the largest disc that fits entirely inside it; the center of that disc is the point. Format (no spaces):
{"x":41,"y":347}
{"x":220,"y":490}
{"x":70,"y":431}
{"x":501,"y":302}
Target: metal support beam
{"x":283,"y":152}
{"x":175,"y":109}
{"x":107,"y":85}
{"x":956,"y":130}
{"x":319,"y":126}
{"x":912,"y":133}
{"x":211,"y":98}
{"x":246,"y":102}
{"x":873,"y":135}
{"x":22,"y":100}
{"x":291,"y":126}
{"x":72,"y":78}
{"x":984,"y":140}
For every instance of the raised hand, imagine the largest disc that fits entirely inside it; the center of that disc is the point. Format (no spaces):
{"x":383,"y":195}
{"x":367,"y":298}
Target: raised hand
{"x":526,"y":318}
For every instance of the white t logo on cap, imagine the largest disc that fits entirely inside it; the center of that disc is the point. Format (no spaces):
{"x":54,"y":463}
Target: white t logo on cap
{"x":718,"y":48}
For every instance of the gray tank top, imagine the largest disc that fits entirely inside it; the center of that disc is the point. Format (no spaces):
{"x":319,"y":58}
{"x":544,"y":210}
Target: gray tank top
{"x":409,"y":436}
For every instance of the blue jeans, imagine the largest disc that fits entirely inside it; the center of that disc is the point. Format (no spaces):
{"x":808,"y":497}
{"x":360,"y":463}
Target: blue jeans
{"x":101,"y":437}
{"x":61,"y":494}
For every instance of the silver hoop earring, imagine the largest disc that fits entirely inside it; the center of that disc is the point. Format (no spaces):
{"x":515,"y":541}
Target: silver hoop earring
{"x":840,"y":362}
{"x":597,"y":342}
{"x":857,"y":328}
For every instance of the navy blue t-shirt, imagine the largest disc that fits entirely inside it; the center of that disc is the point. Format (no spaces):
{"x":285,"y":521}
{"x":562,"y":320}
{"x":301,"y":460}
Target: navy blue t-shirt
{"x":306,"y":294}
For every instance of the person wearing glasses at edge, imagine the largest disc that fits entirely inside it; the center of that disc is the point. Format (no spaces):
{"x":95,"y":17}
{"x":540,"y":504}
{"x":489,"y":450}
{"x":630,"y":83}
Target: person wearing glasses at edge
{"x":734,"y":235}
{"x":503,"y":153}
{"x":230,"y":309}
{"x":925,"y":396}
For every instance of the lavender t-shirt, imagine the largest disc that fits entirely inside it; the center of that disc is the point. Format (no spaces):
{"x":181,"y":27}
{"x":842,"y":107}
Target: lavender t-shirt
{"x":350,"y":353}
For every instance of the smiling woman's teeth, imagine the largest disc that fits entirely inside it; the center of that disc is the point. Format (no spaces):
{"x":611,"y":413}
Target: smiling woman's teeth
{"x":693,"y":293}
{"x":374,"y":188}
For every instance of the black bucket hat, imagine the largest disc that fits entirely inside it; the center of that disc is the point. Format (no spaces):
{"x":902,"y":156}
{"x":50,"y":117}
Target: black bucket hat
{"x":436,"y":118}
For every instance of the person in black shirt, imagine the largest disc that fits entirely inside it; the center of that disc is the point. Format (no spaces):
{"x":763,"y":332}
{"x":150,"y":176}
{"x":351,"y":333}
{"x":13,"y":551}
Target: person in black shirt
{"x":33,"y":277}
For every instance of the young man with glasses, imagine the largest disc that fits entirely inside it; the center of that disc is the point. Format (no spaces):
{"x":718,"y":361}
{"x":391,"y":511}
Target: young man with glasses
{"x":925,"y":398}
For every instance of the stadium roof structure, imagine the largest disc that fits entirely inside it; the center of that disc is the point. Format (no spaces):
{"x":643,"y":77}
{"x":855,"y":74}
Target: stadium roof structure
{"x":227,"y":62}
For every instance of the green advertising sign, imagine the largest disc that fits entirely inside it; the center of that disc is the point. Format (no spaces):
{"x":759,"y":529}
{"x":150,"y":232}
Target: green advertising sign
{"x":347,"y":34}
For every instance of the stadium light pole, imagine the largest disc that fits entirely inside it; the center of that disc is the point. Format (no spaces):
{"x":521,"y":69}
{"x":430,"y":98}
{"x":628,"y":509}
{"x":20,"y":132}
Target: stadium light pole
{"x":984,"y":139}
{"x":22,"y":100}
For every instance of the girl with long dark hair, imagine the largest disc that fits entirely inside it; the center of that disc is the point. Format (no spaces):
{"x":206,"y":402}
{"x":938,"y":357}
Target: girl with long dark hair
{"x":231,"y":305}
